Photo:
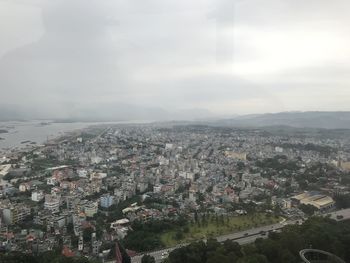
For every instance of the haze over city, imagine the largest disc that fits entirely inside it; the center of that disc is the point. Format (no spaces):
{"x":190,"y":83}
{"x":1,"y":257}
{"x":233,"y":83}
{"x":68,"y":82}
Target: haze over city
{"x":174,"y":131}
{"x":172,"y":59}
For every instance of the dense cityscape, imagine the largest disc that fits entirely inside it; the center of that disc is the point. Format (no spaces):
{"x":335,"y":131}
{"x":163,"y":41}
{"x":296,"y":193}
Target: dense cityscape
{"x":169,"y":131}
{"x":153,"y":188}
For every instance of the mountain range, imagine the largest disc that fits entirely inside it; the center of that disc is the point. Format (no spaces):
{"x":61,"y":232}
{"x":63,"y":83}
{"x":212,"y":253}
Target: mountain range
{"x":308,"y":119}
{"x":126,"y":112}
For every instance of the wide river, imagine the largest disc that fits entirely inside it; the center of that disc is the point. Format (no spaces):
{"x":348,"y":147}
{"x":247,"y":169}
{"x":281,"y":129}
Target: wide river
{"x":34,"y":131}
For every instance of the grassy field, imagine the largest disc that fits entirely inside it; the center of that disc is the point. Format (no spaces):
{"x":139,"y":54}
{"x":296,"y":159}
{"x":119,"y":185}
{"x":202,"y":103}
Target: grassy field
{"x":213,"y":226}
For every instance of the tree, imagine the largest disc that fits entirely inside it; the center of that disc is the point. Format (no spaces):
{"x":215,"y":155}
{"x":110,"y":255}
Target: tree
{"x":231,"y":246}
{"x":308,"y":209}
{"x":342,"y":201}
{"x":318,"y":232}
{"x":179,"y":235}
{"x":240,"y":166}
{"x":148,"y":259}
{"x":255,"y":258}
{"x":87,"y":232}
{"x":217,"y":257}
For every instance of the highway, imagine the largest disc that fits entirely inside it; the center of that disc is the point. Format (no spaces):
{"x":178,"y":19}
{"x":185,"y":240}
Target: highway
{"x":243,"y":237}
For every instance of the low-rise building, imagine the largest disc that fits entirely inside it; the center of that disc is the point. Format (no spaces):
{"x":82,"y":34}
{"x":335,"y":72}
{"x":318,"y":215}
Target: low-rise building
{"x":90,"y":209}
{"x":52,"y":203}
{"x":319,"y":201}
{"x":37,"y":196}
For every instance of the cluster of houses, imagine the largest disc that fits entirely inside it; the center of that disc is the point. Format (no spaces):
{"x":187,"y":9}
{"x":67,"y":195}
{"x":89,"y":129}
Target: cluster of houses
{"x":187,"y":168}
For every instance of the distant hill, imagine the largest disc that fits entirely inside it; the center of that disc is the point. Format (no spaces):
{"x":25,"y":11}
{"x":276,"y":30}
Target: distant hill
{"x":102,"y":113}
{"x":309,"y":119}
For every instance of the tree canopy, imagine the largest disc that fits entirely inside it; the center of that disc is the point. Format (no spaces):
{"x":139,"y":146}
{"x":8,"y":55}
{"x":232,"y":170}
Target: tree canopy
{"x":320,"y":233}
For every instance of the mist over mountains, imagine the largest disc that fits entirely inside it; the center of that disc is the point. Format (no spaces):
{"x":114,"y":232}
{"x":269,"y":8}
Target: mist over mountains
{"x":309,"y":119}
{"x":128,"y":112}
{"x":101,"y":113}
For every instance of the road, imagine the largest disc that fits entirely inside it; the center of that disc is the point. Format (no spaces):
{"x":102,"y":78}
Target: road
{"x":243,"y":237}
{"x":345,"y":213}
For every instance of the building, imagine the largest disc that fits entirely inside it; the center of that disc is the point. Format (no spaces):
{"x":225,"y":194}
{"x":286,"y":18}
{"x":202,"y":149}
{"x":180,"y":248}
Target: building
{"x":187,"y":175}
{"x":278,"y":149}
{"x":97,"y":176}
{"x":51,"y":181}
{"x":319,"y":201}
{"x":106,"y":200}
{"x":15,"y":214}
{"x":344,"y":165}
{"x":286,"y":203}
{"x":236,"y":155}
{"x":120,"y":223}
{"x":90,"y":209}
{"x":4,"y":169}
{"x":81,"y":243}
{"x":23,"y":187}
{"x":168,"y":146}
{"x":52,"y":203}
{"x":192,"y":196}
{"x":37,"y":196}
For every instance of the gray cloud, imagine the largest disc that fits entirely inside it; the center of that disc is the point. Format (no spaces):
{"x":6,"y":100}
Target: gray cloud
{"x":222,"y":55}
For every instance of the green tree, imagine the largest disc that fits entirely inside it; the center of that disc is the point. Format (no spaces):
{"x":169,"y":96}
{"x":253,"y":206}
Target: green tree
{"x":308,"y":209}
{"x":148,"y":259}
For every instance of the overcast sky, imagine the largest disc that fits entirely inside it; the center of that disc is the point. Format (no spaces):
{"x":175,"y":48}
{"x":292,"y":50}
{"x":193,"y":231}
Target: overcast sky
{"x":226,"y":56}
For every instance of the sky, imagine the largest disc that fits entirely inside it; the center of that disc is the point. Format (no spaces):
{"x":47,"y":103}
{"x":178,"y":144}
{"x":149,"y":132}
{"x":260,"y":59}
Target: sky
{"x":144,"y":59}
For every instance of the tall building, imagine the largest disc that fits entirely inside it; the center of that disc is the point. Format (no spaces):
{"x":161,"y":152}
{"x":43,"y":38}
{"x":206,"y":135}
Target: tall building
{"x":15,"y":214}
{"x":106,"y":200}
{"x":81,"y":243}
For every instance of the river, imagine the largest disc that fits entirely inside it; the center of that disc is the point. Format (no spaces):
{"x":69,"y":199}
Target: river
{"x":34,"y":131}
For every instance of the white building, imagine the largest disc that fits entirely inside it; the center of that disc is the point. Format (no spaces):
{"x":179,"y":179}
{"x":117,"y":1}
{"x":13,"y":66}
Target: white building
{"x":120,"y":223}
{"x":106,"y":200}
{"x":278,"y":149}
{"x":81,"y":243}
{"x":51,"y":181}
{"x":37,"y":196}
{"x":82,"y":173}
{"x":168,"y":146}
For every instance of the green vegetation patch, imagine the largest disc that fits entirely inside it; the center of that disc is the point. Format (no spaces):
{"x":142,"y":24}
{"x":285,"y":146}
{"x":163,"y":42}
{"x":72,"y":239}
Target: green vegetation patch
{"x":319,"y":233}
{"x":213,"y":225}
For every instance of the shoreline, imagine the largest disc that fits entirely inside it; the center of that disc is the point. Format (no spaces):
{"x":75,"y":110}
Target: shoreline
{"x":52,"y":133}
